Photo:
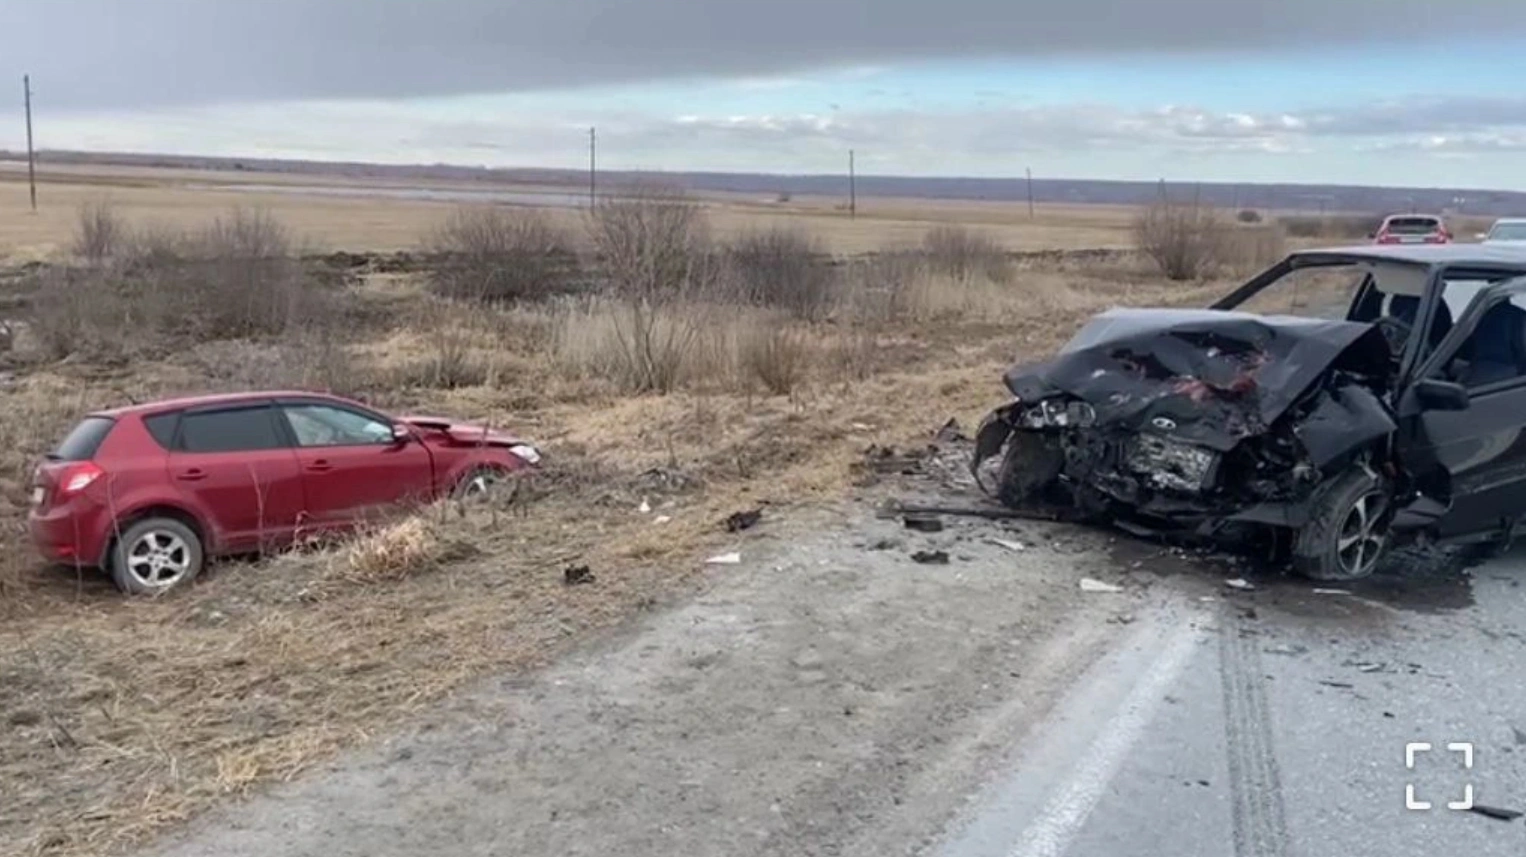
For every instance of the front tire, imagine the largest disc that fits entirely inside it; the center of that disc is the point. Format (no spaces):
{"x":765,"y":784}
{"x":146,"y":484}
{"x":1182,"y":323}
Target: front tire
{"x":1032,"y":463}
{"x":479,"y":484}
{"x":155,"y":555}
{"x":1348,"y":529}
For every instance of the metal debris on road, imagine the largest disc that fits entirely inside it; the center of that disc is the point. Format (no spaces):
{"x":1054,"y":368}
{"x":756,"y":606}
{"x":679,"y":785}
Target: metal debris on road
{"x":1009,"y":544}
{"x":930,"y":557}
{"x":739,"y":521}
{"x":1090,"y":585}
{"x":575,"y":575}
{"x":923,"y":523}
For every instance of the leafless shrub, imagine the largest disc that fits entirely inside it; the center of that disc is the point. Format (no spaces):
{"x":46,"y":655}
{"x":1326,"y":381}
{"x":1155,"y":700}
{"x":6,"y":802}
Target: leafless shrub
{"x":1184,"y":240}
{"x":392,"y":553}
{"x":775,"y":355}
{"x":451,"y":359}
{"x":499,"y":255}
{"x":960,"y":252}
{"x":99,"y":232}
{"x":785,"y":269}
{"x":1248,"y":215}
{"x":76,"y":311}
{"x":654,"y":246}
{"x":642,"y":347}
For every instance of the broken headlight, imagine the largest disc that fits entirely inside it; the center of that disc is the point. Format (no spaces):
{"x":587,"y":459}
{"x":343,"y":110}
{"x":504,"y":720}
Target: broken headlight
{"x":1170,"y":464}
{"x":1052,"y":414}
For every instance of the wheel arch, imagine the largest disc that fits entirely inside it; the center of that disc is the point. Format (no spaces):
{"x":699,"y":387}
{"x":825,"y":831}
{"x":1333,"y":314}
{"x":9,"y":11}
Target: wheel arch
{"x":156,"y":510}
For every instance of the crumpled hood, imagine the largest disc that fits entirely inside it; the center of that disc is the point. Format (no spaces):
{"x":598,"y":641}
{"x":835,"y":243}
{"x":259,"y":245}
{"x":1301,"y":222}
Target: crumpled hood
{"x":1207,"y":376}
{"x":463,"y":433}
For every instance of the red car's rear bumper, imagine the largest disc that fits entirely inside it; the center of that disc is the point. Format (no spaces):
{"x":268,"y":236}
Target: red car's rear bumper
{"x":74,"y":533}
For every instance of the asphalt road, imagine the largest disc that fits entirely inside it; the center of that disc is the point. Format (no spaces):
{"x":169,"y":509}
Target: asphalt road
{"x":1276,"y":723}
{"x":834,"y":696}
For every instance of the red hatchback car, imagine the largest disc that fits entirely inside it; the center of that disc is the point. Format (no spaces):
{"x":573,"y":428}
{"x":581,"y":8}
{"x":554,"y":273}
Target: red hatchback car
{"x":148,"y":492}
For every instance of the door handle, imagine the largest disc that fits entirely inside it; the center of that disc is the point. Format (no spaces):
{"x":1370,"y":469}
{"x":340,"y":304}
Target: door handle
{"x":191,"y":474}
{"x":320,"y":466}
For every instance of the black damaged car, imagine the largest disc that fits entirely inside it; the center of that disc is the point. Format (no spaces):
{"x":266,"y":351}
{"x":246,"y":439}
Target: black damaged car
{"x":1340,"y":402}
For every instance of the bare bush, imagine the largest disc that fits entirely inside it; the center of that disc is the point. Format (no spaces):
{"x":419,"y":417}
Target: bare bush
{"x":500,"y":255}
{"x":960,"y":252}
{"x":76,"y":311}
{"x":783,"y":269}
{"x":451,"y":359}
{"x":99,"y":232}
{"x":1185,"y":240}
{"x":1248,"y":215}
{"x":1341,"y":226}
{"x":776,"y":356}
{"x":654,"y":245}
{"x":642,"y":347}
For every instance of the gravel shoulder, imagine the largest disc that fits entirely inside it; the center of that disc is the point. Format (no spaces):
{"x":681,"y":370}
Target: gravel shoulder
{"x":830,"y":695}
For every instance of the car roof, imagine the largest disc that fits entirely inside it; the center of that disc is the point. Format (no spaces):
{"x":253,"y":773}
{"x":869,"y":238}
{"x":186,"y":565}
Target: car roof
{"x":1499,"y":220}
{"x":1428,"y":255}
{"x":1415,"y":214}
{"x":178,"y":404}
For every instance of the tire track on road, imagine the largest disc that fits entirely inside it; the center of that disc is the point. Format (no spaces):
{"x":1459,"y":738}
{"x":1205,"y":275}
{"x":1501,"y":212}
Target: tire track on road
{"x":1260,"y":821}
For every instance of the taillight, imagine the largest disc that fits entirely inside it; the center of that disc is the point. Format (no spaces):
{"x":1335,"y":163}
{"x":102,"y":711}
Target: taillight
{"x":77,"y":477}
{"x":1387,"y":238}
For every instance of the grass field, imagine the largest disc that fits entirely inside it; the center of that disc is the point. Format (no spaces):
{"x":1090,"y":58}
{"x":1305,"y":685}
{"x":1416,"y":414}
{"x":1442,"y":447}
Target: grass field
{"x":124,"y":718}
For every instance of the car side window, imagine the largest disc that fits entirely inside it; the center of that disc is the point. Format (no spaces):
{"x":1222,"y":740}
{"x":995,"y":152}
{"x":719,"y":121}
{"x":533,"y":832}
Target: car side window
{"x":1495,"y":351}
{"x":326,"y":425}
{"x":228,"y":430}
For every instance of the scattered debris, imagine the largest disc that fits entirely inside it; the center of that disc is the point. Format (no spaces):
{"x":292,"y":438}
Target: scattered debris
{"x":1332,"y":591}
{"x":725,"y":559}
{"x":645,"y":507}
{"x":1495,"y":812}
{"x":739,"y":521}
{"x":930,"y":557}
{"x":575,"y":575}
{"x":994,"y":513}
{"x":1207,"y":599}
{"x":662,"y":519}
{"x":1122,"y":619}
{"x":1285,"y":649}
{"x":1009,"y":544}
{"x":1368,"y":667}
{"x":1090,"y":585}
{"x":1249,"y":613}
{"x":886,"y":545}
{"x":1241,"y":584}
{"x":923,"y":523}
{"x":1338,"y":684}
{"x":951,"y":433}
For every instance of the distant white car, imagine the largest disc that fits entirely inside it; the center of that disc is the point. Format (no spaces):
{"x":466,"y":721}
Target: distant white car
{"x":1506,"y":230}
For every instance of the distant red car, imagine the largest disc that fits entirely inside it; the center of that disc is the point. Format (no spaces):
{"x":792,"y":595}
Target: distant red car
{"x":148,"y":492}
{"x":1412,"y":229}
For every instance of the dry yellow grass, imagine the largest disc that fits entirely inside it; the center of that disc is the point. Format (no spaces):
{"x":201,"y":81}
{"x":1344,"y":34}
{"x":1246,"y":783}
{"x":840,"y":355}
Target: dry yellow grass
{"x":124,"y":718}
{"x":184,"y":198}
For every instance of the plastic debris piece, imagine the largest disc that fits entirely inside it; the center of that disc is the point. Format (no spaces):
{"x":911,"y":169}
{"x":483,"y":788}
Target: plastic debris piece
{"x":576,"y":575}
{"x":739,"y":521}
{"x":725,"y":559}
{"x":923,"y":523}
{"x":662,"y":519}
{"x":1090,"y":585}
{"x":645,"y":506}
{"x":1240,"y":583}
{"x":930,"y":557}
{"x":1009,"y":544}
{"x":1332,"y":592}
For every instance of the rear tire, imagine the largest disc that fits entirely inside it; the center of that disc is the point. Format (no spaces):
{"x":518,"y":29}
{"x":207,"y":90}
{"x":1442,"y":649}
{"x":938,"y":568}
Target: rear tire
{"x":155,"y":555}
{"x":1348,"y":529}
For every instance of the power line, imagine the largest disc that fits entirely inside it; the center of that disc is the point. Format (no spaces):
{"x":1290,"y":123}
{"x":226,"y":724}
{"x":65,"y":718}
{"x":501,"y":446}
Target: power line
{"x":593,"y":148}
{"x":852,"y":188}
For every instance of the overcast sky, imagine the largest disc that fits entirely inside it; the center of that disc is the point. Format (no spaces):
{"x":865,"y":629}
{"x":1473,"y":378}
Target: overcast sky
{"x":1392,"y":91}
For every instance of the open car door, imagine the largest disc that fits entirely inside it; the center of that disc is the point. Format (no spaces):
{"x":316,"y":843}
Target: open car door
{"x":1462,"y":422}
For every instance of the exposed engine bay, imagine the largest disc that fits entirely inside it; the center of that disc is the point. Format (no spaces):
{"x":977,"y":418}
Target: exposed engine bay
{"x":1188,"y":419}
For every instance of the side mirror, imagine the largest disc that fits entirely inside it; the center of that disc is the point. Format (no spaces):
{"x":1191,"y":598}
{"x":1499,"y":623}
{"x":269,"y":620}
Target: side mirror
{"x":1481,"y":235}
{"x":1438,"y":395}
{"x":401,"y":434}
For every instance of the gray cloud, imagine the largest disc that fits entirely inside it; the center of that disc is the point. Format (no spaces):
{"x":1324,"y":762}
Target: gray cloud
{"x":116,"y":53}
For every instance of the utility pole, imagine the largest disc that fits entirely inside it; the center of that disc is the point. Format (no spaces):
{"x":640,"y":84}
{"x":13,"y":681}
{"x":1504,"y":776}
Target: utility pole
{"x":1029,"y":171}
{"x":593,"y":167}
{"x":852,"y":188}
{"x":31,"y":156}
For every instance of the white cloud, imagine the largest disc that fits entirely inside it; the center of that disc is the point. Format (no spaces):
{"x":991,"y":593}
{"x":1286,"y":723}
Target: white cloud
{"x":1104,"y":140}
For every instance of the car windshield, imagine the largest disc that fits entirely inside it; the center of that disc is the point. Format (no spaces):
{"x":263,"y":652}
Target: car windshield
{"x":1412,"y":225}
{"x":1508,"y":232}
{"x":1318,"y":292}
